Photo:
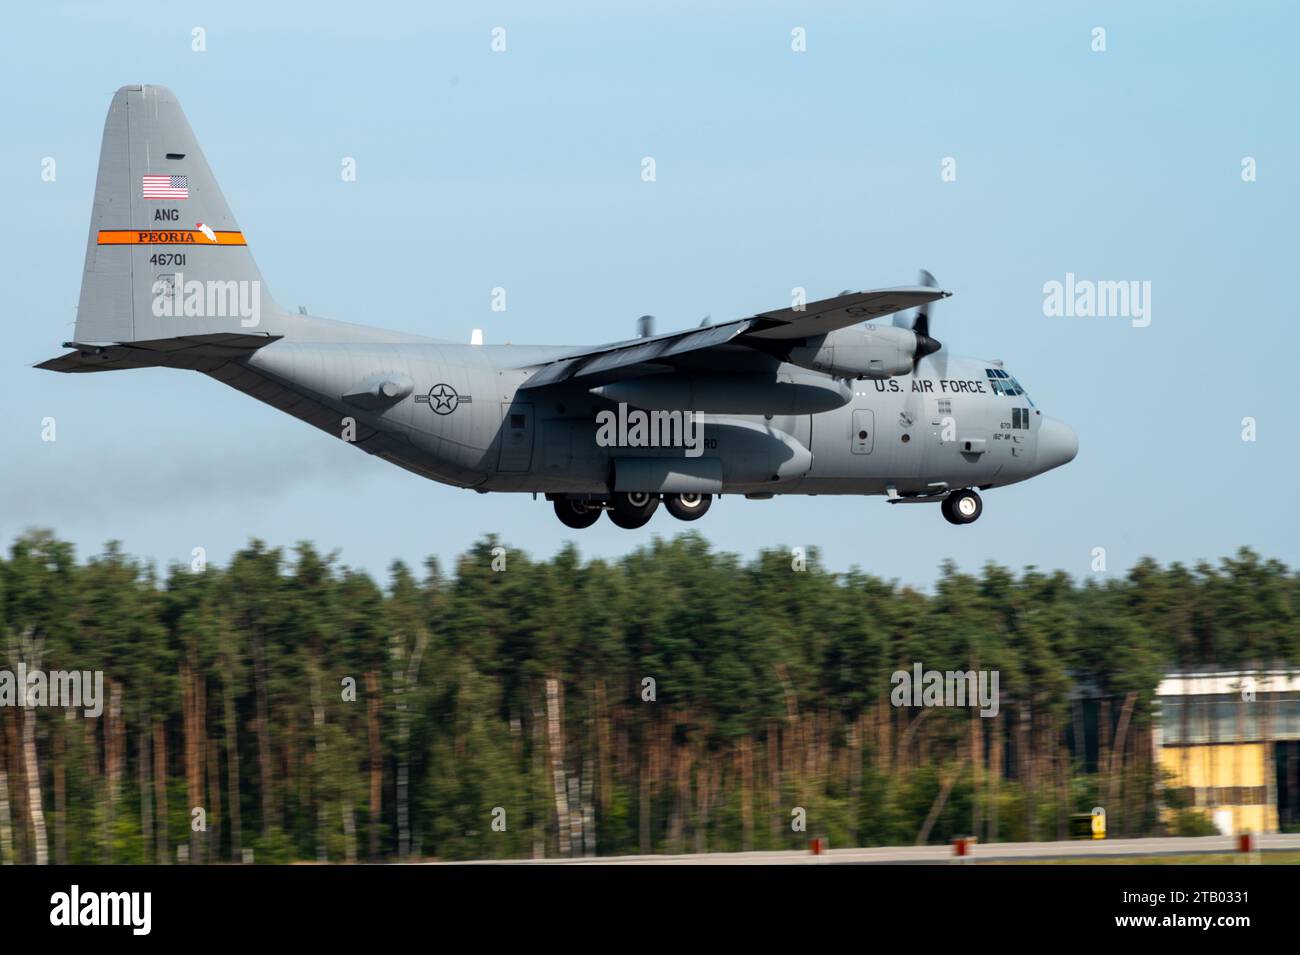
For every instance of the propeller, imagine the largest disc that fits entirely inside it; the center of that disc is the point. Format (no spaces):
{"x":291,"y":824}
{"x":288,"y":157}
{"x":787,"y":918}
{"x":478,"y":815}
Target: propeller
{"x":920,"y":324}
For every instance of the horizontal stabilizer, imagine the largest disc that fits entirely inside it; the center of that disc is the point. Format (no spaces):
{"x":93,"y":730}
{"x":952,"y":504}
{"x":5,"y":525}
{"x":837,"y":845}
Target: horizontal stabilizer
{"x":186,"y":351}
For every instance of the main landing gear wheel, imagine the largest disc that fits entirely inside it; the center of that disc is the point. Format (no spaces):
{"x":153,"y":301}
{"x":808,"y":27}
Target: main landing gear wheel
{"x":687,"y":507}
{"x":632,"y":509}
{"x":962,"y":507}
{"x":575,"y":513}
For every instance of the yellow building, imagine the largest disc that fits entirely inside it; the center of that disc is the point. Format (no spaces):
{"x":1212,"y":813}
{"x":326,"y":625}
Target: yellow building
{"x":1230,"y":741}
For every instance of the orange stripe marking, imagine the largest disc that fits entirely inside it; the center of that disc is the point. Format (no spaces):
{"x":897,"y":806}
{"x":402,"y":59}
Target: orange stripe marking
{"x":167,"y":237}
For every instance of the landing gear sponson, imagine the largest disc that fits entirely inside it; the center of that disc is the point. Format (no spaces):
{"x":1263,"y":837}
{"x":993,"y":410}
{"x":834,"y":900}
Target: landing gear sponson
{"x":628,"y":509}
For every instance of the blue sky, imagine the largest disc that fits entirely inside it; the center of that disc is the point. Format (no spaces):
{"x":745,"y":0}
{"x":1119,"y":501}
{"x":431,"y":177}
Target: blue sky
{"x":775,"y":169}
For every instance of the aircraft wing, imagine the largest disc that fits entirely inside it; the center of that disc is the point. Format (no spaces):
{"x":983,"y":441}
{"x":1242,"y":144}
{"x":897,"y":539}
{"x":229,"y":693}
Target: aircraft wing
{"x":761,"y":333}
{"x":658,"y":348}
{"x":818,"y":318}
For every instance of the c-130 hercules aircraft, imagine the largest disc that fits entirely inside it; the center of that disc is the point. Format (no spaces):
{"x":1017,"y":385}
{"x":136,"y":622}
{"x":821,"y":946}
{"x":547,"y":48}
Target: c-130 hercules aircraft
{"x":804,"y":400}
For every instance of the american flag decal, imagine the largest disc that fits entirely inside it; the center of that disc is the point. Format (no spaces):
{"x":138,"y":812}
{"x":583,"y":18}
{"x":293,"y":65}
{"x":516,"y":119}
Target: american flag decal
{"x":166,"y":187}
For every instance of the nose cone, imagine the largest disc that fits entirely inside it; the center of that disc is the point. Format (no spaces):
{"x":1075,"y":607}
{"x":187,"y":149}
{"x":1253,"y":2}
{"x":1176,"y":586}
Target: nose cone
{"x":1057,"y":444}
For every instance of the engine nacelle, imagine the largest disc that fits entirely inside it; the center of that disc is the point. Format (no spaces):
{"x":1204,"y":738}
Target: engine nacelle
{"x":861,"y":351}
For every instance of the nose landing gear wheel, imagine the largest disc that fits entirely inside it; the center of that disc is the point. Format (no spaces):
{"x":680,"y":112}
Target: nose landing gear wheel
{"x":962,"y":507}
{"x":575,"y":514}
{"x":687,"y":507}
{"x":632,"y":509}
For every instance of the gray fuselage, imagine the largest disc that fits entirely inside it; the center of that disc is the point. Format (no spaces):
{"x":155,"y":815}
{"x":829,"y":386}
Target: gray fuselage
{"x":465,"y":422}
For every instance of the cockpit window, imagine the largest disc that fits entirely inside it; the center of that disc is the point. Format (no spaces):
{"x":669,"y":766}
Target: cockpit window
{"x":1000,"y":383}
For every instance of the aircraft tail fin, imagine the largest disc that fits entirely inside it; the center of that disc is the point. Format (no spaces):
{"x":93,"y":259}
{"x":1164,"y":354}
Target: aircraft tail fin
{"x":165,"y":257}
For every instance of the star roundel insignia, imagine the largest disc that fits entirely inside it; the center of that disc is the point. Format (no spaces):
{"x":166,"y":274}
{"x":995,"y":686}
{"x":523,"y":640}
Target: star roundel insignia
{"x":442,"y":398}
